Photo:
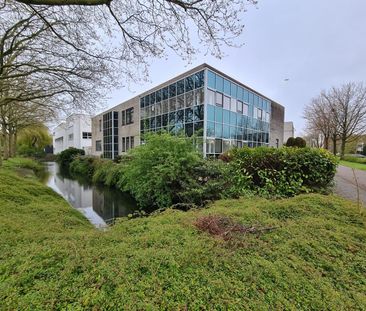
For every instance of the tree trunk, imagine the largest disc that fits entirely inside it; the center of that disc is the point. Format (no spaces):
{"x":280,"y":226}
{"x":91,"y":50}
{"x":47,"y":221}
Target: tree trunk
{"x":343,"y":146}
{"x":326,"y":142}
{"x":334,"y":140}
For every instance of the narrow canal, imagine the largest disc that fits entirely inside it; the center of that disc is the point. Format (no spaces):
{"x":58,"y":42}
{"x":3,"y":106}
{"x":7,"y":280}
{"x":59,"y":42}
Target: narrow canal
{"x":100,"y":205}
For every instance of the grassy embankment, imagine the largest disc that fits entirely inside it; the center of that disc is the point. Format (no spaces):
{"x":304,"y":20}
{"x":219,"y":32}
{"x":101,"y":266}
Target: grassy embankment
{"x":356,"y":165}
{"x":52,"y":258}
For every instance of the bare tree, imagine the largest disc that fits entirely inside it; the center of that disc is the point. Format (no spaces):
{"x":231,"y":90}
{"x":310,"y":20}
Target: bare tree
{"x":348,"y":104}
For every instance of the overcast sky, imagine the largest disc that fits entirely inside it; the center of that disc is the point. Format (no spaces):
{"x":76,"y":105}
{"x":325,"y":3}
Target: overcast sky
{"x":314,"y":43}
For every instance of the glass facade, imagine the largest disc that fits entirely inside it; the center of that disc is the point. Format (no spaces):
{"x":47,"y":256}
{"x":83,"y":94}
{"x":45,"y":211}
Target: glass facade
{"x":236,"y":116}
{"x":177,"y":108}
{"x":110,"y":134}
{"x":218,"y":111}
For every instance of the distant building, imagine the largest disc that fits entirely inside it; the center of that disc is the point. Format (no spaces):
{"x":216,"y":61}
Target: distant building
{"x":289,"y":131}
{"x":220,"y":111}
{"x":75,"y":131}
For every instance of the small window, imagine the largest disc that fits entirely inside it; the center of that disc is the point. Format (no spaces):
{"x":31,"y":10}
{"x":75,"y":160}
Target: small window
{"x":98,"y":145}
{"x":226,"y":102}
{"x":239,"y":106}
{"x":127,"y":143}
{"x":123,"y":117}
{"x":219,"y":99}
{"x":100,"y":125}
{"x":123,"y":144}
{"x":87,"y":135}
{"x":245,"y":109}
{"x":132,"y":141}
{"x":129,"y":115}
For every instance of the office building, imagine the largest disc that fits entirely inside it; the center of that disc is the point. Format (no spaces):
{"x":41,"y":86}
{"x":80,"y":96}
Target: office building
{"x":218,"y":110}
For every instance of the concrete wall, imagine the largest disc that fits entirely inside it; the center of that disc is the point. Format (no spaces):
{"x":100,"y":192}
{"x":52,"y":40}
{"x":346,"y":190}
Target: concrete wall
{"x":289,"y":131}
{"x":277,"y":125}
{"x":70,"y":133}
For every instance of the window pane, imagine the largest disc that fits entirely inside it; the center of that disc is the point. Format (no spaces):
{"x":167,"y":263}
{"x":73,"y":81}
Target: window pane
{"x":189,"y":83}
{"x":246,"y":96}
{"x":158,"y":96}
{"x":240,"y":106}
{"x":218,"y":114}
{"x":233,"y":104}
{"x":226,"y":131}
{"x":240,"y":93}
{"x":198,"y":113}
{"x":219,"y":99}
{"x":226,"y":116}
{"x":189,"y":99}
{"x":198,"y":129}
{"x":172,"y":90}
{"x":227,"y":87}
{"x":165,"y":120}
{"x":211,"y":79}
{"x":210,"y":129}
{"x":219,"y":83}
{"x":210,"y":113}
{"x":142,"y":102}
{"x":210,"y":146}
{"x":165,"y":106}
{"x":180,"y":101}
{"x":189,"y":129}
{"x":152,"y":98}
{"x":245,"y":109}
{"x":218,"y":145}
{"x":180,"y":87}
{"x":233,"y":90}
{"x":180,"y":116}
{"x":172,"y":104}
{"x":158,"y":121}
{"x":211,"y":97}
{"x":225,"y":145}
{"x":218,"y":130}
{"x":199,"y":79}
{"x":165,"y":93}
{"x":233,"y":118}
{"x":199,"y":97}
{"x":189,"y":115}
{"x":227,"y":102}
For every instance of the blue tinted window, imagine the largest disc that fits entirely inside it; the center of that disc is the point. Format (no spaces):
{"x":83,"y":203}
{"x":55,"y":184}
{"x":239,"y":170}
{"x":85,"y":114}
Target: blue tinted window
{"x":210,"y":129}
{"x":256,"y":100}
{"x":218,"y":114}
{"x":211,"y":79}
{"x":210,"y":113}
{"x":227,"y":87}
{"x":226,"y":131}
{"x":180,"y":87}
{"x":219,"y":83}
{"x":226,"y":116}
{"x":261,"y":102}
{"x":240,"y":93}
{"x":172,"y":90}
{"x":233,"y":90}
{"x":199,"y":79}
{"x":233,"y":132}
{"x":233,"y":118}
{"x":251,"y":98}
{"x":189,"y":83}
{"x":218,"y":130}
{"x":246,"y":96}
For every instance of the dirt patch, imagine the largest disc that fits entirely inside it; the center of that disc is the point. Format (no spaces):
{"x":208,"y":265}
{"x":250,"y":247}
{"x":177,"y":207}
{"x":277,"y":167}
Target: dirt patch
{"x":226,"y":228}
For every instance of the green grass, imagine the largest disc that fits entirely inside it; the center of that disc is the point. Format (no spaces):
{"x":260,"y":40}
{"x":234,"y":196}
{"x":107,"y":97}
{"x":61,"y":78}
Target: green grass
{"x":359,"y":166}
{"x":52,"y":258}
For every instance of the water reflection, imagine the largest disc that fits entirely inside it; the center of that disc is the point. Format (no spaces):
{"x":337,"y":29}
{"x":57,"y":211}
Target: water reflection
{"x":100,"y":205}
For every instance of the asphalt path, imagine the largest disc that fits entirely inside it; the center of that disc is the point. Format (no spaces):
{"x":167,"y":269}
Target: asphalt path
{"x":346,"y":183}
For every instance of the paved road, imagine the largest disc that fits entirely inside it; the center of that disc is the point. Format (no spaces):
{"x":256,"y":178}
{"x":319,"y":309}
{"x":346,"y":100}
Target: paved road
{"x":346,"y":184}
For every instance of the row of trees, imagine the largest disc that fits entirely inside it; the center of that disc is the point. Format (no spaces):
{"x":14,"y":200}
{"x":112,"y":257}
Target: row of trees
{"x":337,"y":116}
{"x":63,"y":55}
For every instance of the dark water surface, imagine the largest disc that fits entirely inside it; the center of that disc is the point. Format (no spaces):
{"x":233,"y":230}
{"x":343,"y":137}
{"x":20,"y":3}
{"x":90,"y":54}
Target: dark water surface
{"x":100,"y":205}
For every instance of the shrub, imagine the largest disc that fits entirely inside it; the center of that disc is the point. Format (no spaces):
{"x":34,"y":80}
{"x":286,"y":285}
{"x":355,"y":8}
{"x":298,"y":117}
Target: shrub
{"x":354,"y":159}
{"x":65,"y":157}
{"x":284,"y":171}
{"x":290,"y":142}
{"x":168,"y":170}
{"x":82,"y":166}
{"x":300,"y":142}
